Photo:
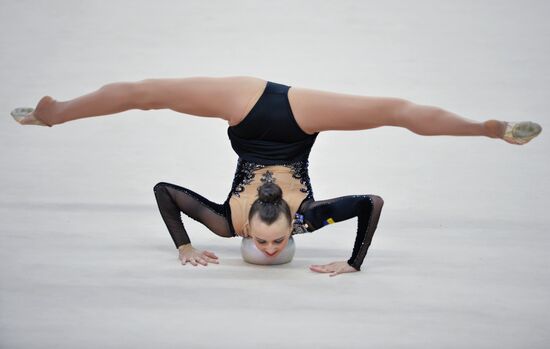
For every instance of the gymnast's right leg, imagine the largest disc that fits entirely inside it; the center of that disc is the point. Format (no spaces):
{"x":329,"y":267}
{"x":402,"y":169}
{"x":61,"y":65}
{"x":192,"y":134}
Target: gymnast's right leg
{"x":228,"y":98}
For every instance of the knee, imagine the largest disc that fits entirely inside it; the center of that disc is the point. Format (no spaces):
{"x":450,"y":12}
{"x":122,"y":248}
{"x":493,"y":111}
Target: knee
{"x":398,"y":112}
{"x":127,"y":94}
{"x":143,"y":94}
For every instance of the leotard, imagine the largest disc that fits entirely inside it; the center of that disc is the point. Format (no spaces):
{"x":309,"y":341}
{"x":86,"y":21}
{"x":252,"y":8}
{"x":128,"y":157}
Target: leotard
{"x":271,"y":147}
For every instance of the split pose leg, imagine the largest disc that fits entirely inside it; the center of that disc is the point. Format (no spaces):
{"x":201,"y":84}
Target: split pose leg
{"x":317,"y":110}
{"x":220,"y":97}
{"x":230,"y":98}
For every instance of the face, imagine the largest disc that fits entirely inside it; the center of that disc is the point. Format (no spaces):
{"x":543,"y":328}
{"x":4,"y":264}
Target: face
{"x":270,"y":239}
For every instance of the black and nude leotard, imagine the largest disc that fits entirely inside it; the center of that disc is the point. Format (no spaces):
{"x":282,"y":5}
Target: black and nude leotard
{"x":271,"y":146}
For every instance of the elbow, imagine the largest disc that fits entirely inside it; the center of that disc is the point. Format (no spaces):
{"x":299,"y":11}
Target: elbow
{"x":377,"y":200}
{"x":159,"y":186}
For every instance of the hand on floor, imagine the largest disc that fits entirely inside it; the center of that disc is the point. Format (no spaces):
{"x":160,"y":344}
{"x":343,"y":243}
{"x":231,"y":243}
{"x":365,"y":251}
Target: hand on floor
{"x":195,"y":256}
{"x":335,"y":268}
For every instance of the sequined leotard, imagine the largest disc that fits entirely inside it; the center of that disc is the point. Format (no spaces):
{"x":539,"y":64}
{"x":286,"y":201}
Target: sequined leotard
{"x":271,"y":146}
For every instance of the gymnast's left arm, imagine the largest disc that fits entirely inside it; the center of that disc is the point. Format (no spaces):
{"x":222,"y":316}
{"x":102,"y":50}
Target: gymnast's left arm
{"x":366,"y":208}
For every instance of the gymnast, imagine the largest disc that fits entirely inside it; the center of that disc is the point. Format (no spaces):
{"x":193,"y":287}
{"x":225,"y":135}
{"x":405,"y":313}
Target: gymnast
{"x":272,"y":128}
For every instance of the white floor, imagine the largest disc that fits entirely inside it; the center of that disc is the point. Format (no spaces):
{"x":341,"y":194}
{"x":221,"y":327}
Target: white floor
{"x":460,"y":258}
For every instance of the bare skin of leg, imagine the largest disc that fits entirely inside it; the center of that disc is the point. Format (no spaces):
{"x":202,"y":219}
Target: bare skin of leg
{"x":231,"y":98}
{"x":227,"y":98}
{"x":317,"y":110}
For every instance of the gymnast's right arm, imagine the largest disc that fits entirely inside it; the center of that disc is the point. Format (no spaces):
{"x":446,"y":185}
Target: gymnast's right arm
{"x":172,"y":200}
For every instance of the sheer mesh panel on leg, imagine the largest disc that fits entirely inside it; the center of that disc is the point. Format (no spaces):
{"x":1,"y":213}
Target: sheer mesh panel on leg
{"x":173,"y":199}
{"x":366,"y":208}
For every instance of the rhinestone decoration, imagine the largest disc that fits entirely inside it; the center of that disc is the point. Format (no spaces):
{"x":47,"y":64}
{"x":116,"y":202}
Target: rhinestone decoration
{"x":299,"y":226}
{"x":244,"y":175}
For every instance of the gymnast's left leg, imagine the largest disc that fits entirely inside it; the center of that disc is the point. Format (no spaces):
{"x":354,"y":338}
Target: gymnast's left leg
{"x":317,"y":110}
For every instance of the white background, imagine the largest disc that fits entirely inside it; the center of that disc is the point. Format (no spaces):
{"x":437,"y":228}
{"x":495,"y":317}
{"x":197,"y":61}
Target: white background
{"x":460,"y":257}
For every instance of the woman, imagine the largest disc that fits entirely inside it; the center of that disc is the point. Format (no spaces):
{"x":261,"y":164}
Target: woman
{"x":272,"y":128}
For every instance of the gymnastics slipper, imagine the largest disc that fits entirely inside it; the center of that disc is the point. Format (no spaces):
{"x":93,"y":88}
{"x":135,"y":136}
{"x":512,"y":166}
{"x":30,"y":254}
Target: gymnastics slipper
{"x":521,"y":132}
{"x":20,"y":113}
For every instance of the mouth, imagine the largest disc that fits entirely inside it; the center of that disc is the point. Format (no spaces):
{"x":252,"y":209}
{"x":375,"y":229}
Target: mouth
{"x":270,"y":255}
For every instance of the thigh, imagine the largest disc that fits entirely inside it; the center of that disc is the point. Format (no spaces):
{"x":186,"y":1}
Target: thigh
{"x":229,"y":98}
{"x":317,"y":110}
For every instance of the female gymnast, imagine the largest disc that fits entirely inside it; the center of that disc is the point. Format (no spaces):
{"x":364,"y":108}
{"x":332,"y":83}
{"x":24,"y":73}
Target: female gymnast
{"x":272,"y":128}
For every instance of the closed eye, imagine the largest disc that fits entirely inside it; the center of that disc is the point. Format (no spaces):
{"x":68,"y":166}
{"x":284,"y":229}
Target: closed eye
{"x":276,"y":241}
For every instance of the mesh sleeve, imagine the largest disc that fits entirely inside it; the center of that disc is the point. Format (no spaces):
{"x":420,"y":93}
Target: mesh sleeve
{"x":173,"y":199}
{"x":366,"y":208}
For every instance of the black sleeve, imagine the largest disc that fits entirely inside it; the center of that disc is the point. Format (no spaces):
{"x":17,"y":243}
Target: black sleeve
{"x":366,"y":208}
{"x":173,"y":199}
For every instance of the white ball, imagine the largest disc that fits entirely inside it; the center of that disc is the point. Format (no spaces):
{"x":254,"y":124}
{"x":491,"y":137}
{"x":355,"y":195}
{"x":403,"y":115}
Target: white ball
{"x":253,"y":255}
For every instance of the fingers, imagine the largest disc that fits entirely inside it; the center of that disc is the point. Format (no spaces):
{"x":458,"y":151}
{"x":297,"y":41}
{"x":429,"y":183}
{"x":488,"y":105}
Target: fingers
{"x":328,"y":268}
{"x":196,"y":261}
{"x":191,"y":260}
{"x":210,"y":257}
{"x":199,"y":257}
{"x":200,"y":260}
{"x":320,"y":268}
{"x":210,"y":254}
{"x":336,"y":273}
{"x":211,"y":260}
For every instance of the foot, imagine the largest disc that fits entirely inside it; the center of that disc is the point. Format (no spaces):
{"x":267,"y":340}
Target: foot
{"x":521,"y":132}
{"x":31,"y":116}
{"x":512,"y":132}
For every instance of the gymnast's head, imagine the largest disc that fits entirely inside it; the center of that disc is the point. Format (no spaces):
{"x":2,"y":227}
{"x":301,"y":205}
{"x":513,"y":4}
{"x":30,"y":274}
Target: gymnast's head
{"x":270,"y":224}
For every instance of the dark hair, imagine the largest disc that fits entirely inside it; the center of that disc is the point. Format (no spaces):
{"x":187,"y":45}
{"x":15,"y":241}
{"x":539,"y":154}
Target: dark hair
{"x":270,"y":204}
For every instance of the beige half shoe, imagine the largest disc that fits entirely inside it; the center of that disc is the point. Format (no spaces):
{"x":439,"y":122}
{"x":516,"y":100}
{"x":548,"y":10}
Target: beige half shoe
{"x":21,"y":113}
{"x":521,"y":132}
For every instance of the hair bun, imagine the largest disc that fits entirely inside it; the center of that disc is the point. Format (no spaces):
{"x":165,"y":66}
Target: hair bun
{"x":270,"y":204}
{"x":270,"y":193}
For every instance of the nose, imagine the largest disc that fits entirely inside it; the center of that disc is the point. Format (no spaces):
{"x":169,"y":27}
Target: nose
{"x":271,"y":250}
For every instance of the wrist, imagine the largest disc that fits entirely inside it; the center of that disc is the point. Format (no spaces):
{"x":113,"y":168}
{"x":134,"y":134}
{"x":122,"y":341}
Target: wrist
{"x":185,"y":247}
{"x":358,"y":268}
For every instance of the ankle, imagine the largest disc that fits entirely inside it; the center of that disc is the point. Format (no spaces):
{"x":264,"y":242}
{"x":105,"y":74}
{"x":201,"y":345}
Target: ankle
{"x":494,"y":128}
{"x":47,"y":111}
